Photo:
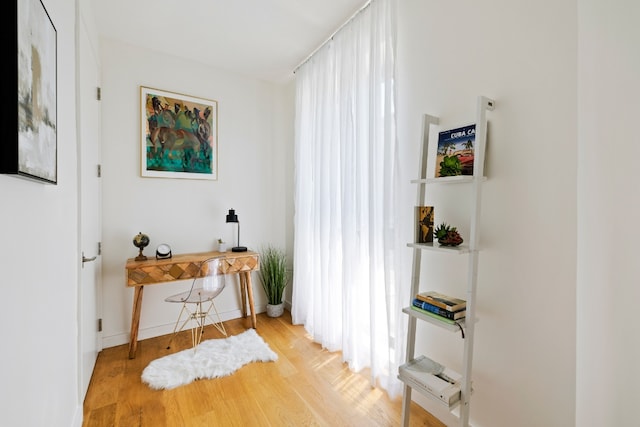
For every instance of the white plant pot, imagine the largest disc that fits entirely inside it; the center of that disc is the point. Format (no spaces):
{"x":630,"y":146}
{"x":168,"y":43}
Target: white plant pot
{"x":275,"y":310}
{"x":222,"y":247}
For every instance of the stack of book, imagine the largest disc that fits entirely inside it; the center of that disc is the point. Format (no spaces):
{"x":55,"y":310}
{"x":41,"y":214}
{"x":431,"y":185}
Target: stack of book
{"x":440,"y":306}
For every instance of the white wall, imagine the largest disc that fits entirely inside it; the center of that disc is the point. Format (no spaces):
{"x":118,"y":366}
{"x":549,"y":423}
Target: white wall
{"x":608,"y":290}
{"x":254,"y":135}
{"x":39,"y":260}
{"x":523,"y":55}
{"x":285,"y":109}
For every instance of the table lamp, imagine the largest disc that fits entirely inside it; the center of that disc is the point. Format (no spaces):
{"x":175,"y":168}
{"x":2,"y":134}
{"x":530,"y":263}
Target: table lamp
{"x":232,"y":217}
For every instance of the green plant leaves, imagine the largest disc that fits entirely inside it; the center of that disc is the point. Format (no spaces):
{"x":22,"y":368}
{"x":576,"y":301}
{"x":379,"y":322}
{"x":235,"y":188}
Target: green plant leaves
{"x":450,"y":166}
{"x":273,"y":273}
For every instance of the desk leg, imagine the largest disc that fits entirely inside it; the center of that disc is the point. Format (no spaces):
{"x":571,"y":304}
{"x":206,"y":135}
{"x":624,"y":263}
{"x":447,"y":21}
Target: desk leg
{"x":247,"y":281}
{"x":135,"y":321}
{"x":243,"y":293}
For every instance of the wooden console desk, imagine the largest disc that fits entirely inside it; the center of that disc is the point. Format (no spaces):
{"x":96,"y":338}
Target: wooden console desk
{"x":183,"y":267}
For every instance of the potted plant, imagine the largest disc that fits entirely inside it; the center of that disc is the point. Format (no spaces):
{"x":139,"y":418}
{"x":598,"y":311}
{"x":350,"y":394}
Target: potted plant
{"x":273,"y":273}
{"x":222,"y":246}
{"x":447,"y":235}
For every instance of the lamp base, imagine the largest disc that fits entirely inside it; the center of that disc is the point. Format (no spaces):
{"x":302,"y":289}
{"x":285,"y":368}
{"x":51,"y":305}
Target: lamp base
{"x":239,"y":249}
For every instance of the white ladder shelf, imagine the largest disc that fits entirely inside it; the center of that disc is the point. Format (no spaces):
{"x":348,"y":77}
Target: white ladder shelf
{"x":440,"y":409}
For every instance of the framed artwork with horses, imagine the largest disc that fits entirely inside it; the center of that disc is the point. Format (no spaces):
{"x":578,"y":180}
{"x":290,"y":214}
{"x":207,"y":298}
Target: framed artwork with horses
{"x":179,"y":135}
{"x":29,"y":91}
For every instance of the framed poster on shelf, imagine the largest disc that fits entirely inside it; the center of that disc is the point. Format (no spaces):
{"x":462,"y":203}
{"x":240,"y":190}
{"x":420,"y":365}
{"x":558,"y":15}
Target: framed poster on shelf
{"x":424,"y":224}
{"x":30,"y":93}
{"x":455,"y":152}
{"x":179,"y":135}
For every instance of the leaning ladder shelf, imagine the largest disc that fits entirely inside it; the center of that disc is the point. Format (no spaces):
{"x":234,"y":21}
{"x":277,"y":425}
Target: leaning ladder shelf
{"x":444,"y":411}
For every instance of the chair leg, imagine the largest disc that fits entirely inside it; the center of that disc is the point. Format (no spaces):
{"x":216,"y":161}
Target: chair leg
{"x":199,"y":317}
{"x":201,"y":322}
{"x":219,"y":325}
{"x":176,"y":331}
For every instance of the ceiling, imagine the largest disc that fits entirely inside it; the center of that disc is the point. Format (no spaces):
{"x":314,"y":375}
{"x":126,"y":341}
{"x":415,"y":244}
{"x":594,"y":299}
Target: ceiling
{"x":263,"y":39}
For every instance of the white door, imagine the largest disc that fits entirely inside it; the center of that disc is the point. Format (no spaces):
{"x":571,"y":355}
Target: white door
{"x":90,"y":207}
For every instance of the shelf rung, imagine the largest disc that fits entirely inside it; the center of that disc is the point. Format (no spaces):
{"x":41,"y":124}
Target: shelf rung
{"x":462,"y":249}
{"x":448,"y":326}
{"x":459,"y":179}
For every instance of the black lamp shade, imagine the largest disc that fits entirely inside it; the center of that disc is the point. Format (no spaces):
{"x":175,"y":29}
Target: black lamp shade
{"x":231,"y":216}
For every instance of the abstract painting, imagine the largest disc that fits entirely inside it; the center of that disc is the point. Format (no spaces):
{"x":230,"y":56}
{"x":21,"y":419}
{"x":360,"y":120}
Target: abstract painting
{"x":178,"y":135}
{"x":31,"y":140}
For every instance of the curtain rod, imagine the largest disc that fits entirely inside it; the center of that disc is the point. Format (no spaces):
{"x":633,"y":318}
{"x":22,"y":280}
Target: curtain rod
{"x":304,"y":61}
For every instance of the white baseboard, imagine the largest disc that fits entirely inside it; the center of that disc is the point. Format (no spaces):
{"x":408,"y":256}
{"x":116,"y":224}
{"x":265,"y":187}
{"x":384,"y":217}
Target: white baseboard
{"x":78,"y":416}
{"x":156,"y":331}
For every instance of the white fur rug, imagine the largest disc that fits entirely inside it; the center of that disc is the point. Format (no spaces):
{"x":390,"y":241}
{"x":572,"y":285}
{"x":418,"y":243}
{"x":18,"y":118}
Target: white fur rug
{"x":211,"y":359}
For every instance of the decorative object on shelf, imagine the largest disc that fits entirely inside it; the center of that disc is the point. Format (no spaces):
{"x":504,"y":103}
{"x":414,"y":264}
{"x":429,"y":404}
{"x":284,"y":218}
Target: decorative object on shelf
{"x":273,"y":273}
{"x":424,"y":224}
{"x":29,"y":132}
{"x":141,"y":241}
{"x":163,"y":251}
{"x":447,"y":235}
{"x":222,"y":246}
{"x":432,"y":378}
{"x":179,"y":135}
{"x":456,"y":151}
{"x":232,"y":217}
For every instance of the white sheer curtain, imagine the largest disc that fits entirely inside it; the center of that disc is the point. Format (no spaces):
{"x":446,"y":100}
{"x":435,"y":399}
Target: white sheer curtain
{"x":345,"y":250}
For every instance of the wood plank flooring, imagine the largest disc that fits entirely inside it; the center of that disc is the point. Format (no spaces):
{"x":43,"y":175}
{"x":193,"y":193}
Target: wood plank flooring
{"x":307,"y":386}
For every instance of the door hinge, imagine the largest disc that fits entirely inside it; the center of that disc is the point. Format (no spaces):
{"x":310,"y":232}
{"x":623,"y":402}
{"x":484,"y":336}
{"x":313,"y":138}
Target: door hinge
{"x":99,"y":325}
{"x":99,"y":248}
{"x":99,"y":171}
{"x":99,"y":94}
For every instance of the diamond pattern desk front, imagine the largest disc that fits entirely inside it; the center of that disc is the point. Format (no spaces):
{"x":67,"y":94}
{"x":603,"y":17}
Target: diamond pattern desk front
{"x":183,"y":267}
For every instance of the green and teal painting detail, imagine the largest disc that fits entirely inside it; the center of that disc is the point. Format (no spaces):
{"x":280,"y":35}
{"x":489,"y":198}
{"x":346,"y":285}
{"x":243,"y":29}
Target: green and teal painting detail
{"x":180,"y":135}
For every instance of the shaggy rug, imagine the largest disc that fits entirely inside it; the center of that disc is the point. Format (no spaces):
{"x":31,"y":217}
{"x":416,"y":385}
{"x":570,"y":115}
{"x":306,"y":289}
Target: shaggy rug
{"x":211,"y":359}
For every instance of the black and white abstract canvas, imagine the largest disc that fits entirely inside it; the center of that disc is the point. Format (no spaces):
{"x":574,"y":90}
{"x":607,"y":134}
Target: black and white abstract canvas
{"x":37,"y":92}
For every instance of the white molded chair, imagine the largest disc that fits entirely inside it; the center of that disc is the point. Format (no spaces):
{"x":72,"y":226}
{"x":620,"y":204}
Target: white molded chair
{"x":197,"y":302}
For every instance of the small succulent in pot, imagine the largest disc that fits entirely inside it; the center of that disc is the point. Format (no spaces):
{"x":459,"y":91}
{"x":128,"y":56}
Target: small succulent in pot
{"x":447,"y":235}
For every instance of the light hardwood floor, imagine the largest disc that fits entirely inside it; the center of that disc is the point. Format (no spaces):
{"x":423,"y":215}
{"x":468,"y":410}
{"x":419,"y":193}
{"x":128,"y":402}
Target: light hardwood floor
{"x":306,"y":386}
